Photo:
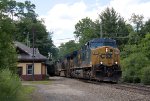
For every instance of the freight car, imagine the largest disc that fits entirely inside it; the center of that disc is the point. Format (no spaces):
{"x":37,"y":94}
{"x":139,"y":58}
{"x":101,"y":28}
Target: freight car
{"x":99,"y":59}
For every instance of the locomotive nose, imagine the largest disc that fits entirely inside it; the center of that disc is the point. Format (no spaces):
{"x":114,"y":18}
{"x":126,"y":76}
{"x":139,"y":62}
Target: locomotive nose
{"x":107,"y":62}
{"x":106,"y":56}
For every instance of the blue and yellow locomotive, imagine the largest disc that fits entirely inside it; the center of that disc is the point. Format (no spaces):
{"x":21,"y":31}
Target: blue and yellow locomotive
{"x":99,"y":59}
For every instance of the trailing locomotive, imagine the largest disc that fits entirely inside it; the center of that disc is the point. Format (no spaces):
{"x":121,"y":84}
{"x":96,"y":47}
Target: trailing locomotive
{"x":99,"y":59}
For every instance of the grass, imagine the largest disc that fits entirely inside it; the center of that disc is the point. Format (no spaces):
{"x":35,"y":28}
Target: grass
{"x":38,"y":82}
{"x":27,"y":90}
{"x":25,"y":93}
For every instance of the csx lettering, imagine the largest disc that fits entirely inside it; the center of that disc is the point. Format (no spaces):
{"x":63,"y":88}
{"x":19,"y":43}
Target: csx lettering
{"x":106,"y":56}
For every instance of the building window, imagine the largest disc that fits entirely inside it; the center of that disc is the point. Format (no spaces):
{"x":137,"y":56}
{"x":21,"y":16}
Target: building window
{"x":29,"y":69}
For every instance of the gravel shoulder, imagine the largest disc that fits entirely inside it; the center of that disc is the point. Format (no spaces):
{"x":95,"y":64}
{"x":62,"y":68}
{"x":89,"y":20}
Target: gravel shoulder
{"x":66,"y":89}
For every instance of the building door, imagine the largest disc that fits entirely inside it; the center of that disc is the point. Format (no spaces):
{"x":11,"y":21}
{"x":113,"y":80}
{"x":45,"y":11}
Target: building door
{"x":19,"y":71}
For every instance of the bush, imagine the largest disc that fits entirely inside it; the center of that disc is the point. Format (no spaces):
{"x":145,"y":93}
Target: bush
{"x":145,"y":45}
{"x":9,"y":86}
{"x":8,"y":55}
{"x":132,"y":67}
{"x":146,"y":75}
{"x":127,"y":76}
{"x":131,"y":76}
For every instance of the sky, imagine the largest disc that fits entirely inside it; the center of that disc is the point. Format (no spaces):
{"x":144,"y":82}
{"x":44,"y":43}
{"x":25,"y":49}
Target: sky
{"x":60,"y":16}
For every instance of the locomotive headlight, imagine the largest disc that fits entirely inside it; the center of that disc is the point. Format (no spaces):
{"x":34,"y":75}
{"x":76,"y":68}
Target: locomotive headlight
{"x":116,"y":62}
{"x":106,"y":49}
{"x":101,"y":62}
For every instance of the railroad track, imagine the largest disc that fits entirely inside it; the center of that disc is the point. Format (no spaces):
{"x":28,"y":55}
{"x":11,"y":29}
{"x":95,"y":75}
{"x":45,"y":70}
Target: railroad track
{"x":142,"y":89}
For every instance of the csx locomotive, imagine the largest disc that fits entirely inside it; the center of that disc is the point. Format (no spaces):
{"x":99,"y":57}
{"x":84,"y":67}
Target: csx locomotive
{"x":99,"y":59}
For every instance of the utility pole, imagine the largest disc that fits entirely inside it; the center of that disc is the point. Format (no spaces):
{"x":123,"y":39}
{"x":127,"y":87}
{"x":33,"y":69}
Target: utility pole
{"x":28,"y":42}
{"x":33,"y":55}
{"x":33,"y":43}
{"x":101,"y":32}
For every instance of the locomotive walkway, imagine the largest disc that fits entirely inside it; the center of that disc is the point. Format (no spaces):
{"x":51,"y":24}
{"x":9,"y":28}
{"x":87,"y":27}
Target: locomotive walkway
{"x":66,"y":89}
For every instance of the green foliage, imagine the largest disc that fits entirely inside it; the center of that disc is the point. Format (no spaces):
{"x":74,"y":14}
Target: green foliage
{"x":145,"y":45}
{"x":129,"y":76}
{"x":9,"y":86}
{"x":129,"y":49}
{"x":146,"y":28}
{"x":134,"y":38}
{"x":26,"y":24}
{"x":146,"y":75}
{"x":29,"y":25}
{"x":132,"y":67}
{"x":109,"y":18}
{"x":113,"y":26}
{"x":43,"y":39}
{"x":135,"y":59}
{"x":8,"y":55}
{"x":25,"y":93}
{"x":67,"y":48}
{"x":10,"y":30}
{"x":136,"y":45}
{"x":46,"y":82}
{"x":85,"y":30}
{"x":133,"y":41}
{"x":137,"y":20}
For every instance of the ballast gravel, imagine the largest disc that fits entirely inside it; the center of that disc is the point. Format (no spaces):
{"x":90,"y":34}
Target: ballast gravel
{"x":67,"y":89}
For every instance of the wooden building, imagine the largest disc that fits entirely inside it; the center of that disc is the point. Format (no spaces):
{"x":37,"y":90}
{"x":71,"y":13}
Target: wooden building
{"x":26,"y":60}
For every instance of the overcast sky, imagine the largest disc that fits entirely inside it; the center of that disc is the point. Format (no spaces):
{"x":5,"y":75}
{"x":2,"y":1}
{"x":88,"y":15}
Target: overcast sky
{"x":61,"y":15}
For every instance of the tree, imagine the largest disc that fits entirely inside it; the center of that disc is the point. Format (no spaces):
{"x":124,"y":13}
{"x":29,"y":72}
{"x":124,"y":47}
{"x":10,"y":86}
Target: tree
{"x":145,"y":45}
{"x":85,"y":30}
{"x":67,"y":48}
{"x":114,"y":26}
{"x":146,"y":28}
{"x":8,"y":57}
{"x":138,"y":21}
{"x":134,"y":38}
{"x":43,"y":41}
{"x":109,"y":19}
{"x":132,"y":67}
{"x":135,"y":61}
{"x":27,"y":24}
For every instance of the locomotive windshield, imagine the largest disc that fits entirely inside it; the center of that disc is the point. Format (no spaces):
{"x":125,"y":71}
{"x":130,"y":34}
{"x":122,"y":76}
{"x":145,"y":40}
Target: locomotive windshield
{"x":99,"y":44}
{"x":112,"y":44}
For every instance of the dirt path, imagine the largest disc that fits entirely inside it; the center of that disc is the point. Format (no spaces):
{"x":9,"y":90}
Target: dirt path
{"x":65,"y":89}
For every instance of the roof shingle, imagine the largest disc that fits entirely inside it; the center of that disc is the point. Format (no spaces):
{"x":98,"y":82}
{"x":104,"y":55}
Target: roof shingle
{"x":29,"y":51}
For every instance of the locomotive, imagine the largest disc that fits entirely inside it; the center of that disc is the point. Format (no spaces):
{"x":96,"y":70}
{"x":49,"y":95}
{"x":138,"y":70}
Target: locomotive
{"x":98,"y":59}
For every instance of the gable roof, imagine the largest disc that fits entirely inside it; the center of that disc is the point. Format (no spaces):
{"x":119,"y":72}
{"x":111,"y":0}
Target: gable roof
{"x":29,"y":53}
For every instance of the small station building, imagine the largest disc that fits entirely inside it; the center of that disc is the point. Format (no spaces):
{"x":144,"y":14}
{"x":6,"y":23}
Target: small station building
{"x":26,"y":60}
